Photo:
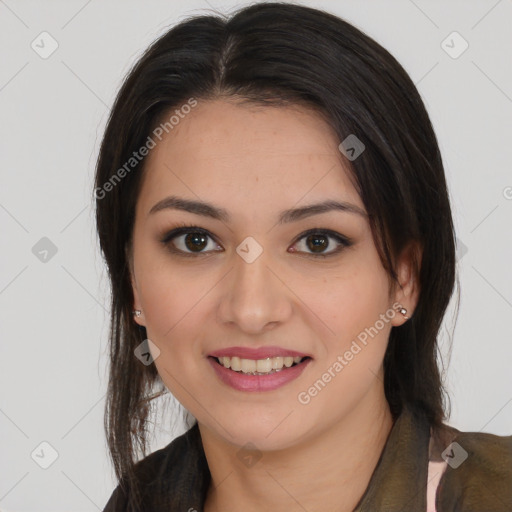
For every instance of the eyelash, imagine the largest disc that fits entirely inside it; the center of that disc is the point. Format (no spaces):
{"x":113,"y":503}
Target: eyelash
{"x":188,"y":228}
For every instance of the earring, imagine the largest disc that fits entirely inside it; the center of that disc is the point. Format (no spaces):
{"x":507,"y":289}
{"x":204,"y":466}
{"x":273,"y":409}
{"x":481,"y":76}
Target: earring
{"x":137,"y":312}
{"x":403,"y":311}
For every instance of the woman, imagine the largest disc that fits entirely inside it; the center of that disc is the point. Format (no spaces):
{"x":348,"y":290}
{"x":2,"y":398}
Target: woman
{"x":273,"y":211}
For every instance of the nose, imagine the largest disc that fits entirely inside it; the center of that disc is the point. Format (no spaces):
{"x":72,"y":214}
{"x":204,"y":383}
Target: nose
{"x":255,"y":297}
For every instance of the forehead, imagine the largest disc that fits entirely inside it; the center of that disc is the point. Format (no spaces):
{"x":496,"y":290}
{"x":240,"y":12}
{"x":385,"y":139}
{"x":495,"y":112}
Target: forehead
{"x":230,"y":152}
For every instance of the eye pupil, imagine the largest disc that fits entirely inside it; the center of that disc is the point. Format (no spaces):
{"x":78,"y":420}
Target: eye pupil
{"x":318,"y":246}
{"x":198,"y":240}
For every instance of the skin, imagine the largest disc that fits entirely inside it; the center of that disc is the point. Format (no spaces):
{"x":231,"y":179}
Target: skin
{"x":256,"y":162}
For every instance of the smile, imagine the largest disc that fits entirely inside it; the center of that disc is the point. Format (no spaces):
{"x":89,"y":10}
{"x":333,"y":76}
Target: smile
{"x":242,"y":374}
{"x":259,"y":366}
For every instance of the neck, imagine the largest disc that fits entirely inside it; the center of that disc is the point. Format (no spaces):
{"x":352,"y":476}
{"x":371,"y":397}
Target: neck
{"x":330,"y":471}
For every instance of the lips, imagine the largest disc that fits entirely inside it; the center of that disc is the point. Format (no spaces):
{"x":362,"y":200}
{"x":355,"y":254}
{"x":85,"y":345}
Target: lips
{"x":258,"y":383}
{"x":257,"y":353}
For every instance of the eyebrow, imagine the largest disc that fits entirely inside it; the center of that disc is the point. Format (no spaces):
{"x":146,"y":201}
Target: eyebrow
{"x":286,"y":216}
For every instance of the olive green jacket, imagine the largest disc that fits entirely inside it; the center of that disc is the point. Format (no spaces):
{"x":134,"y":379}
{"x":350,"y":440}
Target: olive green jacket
{"x":475,"y":474}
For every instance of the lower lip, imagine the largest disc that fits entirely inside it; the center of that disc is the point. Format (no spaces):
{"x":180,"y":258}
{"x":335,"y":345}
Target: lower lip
{"x":244,"y":382}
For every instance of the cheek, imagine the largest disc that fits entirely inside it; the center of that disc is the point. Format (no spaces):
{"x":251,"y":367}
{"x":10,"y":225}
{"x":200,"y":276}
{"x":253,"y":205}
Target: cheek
{"x":174,"y":311}
{"x":170,"y":294}
{"x":353,"y":356}
{"x":353,"y":299}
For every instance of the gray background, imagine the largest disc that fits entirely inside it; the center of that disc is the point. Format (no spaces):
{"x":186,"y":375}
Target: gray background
{"x":54,"y":312}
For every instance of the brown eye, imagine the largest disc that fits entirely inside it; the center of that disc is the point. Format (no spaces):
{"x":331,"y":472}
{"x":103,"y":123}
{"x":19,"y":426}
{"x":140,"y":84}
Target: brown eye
{"x":315,"y":242}
{"x":189,"y":241}
{"x":195,"y":241}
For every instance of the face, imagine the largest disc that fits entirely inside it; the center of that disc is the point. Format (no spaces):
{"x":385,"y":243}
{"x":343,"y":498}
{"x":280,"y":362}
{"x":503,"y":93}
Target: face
{"x":309,"y":283}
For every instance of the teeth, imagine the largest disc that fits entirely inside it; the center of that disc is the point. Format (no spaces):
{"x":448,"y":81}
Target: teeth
{"x":260,"y":366}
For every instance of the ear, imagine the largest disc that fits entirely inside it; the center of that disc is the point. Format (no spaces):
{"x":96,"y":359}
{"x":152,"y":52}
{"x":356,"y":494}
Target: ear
{"x":136,"y":298}
{"x":406,"y":293}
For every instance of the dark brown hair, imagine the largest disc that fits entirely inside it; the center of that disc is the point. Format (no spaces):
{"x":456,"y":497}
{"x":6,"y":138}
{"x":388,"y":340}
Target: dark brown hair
{"x":281,"y":54}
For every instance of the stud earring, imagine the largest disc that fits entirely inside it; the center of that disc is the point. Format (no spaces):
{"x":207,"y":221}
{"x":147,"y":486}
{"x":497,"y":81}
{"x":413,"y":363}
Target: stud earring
{"x":137,"y":312}
{"x":403,"y":311}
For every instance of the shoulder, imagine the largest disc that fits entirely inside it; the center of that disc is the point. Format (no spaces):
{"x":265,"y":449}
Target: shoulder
{"x":159,"y":475}
{"x":478,"y":473}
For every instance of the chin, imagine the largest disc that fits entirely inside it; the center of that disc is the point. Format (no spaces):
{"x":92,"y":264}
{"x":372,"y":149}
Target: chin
{"x":266,"y":435}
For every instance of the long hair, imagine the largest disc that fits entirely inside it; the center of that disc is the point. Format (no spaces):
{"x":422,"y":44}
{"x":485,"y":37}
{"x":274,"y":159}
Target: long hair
{"x":280,"y":54}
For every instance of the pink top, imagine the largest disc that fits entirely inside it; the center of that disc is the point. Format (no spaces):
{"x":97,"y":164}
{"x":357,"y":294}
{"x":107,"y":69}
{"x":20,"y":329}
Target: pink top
{"x":435,"y":472}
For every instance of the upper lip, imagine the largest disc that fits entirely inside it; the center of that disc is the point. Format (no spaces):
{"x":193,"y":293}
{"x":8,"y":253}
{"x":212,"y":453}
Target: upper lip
{"x":256,"y":353}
